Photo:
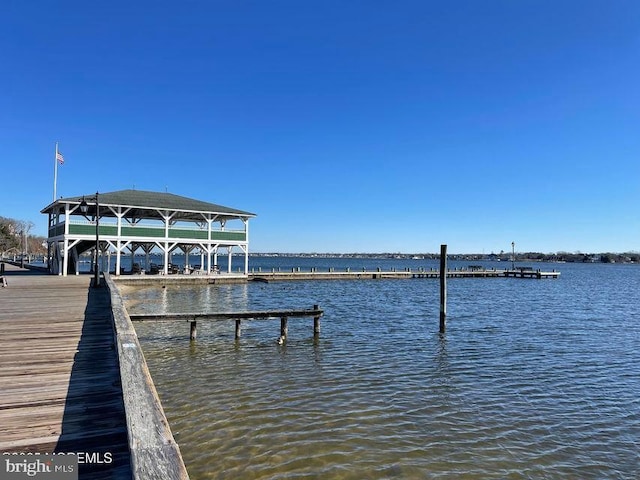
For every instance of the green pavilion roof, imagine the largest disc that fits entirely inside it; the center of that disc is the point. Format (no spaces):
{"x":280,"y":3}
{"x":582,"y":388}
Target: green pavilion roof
{"x":145,"y":204}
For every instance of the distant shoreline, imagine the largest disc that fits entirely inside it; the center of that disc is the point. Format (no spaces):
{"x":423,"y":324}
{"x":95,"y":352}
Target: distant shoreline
{"x":560,"y":257}
{"x":579,"y":257}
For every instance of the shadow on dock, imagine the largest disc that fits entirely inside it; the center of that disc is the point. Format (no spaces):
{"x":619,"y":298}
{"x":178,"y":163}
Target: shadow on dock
{"x":94,"y":423}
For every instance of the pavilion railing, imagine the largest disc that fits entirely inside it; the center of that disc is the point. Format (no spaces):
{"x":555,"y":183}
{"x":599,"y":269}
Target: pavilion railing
{"x":147,"y":231}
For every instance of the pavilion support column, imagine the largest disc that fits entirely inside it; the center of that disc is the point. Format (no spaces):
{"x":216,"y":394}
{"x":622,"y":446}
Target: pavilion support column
{"x":118,"y":257}
{"x":166,"y":258}
{"x":229,"y":260}
{"x":166,"y":218}
{"x":54,"y":263}
{"x":209,"y":246}
{"x":65,"y":244}
{"x":119,"y":215}
{"x":60,"y":258}
{"x":186,"y":249}
{"x":246,"y":259}
{"x":49,"y":224}
{"x":65,"y":257}
{"x":246,"y":247}
{"x":76,"y":259}
{"x":146,"y":257}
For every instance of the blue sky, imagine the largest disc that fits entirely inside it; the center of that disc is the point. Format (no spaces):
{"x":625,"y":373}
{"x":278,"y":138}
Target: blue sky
{"x":369,"y":126}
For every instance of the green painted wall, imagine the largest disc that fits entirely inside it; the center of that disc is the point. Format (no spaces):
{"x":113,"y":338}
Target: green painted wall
{"x":154,"y":232}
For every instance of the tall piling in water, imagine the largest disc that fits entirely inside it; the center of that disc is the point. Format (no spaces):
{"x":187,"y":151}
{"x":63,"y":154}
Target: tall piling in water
{"x":443,"y":288}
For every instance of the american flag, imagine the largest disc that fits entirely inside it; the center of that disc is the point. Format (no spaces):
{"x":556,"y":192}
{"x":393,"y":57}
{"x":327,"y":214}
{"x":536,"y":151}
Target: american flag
{"x":60,"y":158}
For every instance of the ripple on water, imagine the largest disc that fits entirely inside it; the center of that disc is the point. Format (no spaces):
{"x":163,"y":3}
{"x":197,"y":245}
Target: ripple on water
{"x":532,"y":380}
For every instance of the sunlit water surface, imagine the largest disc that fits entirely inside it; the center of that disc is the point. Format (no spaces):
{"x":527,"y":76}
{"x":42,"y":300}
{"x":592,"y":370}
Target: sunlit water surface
{"x":533,"y":378}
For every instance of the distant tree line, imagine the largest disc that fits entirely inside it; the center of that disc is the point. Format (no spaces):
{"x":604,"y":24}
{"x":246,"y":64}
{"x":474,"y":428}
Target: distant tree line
{"x":575,"y":257}
{"x":16,"y":239}
{"x":630,"y":257}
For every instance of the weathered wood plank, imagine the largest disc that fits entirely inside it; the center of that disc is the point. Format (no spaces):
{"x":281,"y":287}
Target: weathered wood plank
{"x":262,"y":314}
{"x":154,"y":452}
{"x":59,"y":377}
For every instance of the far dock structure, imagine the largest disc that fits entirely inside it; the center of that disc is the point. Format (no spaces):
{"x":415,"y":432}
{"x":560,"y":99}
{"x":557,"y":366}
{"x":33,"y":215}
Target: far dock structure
{"x":267,"y":275}
{"x":349,"y":274}
{"x":126,"y":221}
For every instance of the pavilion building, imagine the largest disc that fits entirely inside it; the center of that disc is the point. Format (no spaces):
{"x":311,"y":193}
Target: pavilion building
{"x":129,"y":221}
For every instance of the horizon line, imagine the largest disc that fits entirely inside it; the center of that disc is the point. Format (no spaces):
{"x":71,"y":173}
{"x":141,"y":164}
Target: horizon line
{"x":559,"y":252}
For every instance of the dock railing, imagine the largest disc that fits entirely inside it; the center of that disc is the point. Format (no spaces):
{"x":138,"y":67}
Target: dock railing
{"x":154,"y":452}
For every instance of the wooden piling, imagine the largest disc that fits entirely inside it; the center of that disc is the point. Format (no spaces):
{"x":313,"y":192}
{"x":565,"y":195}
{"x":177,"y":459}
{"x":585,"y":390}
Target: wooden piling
{"x":283,"y":327}
{"x":238,"y":322}
{"x":193,"y":332}
{"x":443,"y":288}
{"x":316,"y":322}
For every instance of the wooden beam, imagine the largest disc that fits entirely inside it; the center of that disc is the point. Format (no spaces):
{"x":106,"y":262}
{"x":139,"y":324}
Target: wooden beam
{"x":191,"y":317}
{"x":316,"y":322}
{"x":443,"y":288}
{"x":154,"y":451}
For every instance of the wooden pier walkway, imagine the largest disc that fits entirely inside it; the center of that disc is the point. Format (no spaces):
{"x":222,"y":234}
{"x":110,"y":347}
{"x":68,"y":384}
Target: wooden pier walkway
{"x":295,"y":274}
{"x":272,"y":275}
{"x":59,"y":376}
{"x":73,"y":379}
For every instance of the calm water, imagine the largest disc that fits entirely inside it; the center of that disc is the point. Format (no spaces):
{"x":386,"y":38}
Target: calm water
{"x":533,"y":378}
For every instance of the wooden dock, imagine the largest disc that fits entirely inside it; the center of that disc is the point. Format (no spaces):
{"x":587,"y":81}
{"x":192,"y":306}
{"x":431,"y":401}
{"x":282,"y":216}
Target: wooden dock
{"x":59,"y":376}
{"x":283,"y":315}
{"x":154,"y":452}
{"x":348,"y":274}
{"x":73,"y":379}
{"x":489,"y":273}
{"x":274,"y":275}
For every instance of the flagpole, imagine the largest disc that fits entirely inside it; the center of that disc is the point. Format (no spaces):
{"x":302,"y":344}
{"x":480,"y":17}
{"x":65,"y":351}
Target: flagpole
{"x":55,"y":173}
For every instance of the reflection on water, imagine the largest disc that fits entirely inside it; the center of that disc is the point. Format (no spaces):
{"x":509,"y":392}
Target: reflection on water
{"x":533,"y":379}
